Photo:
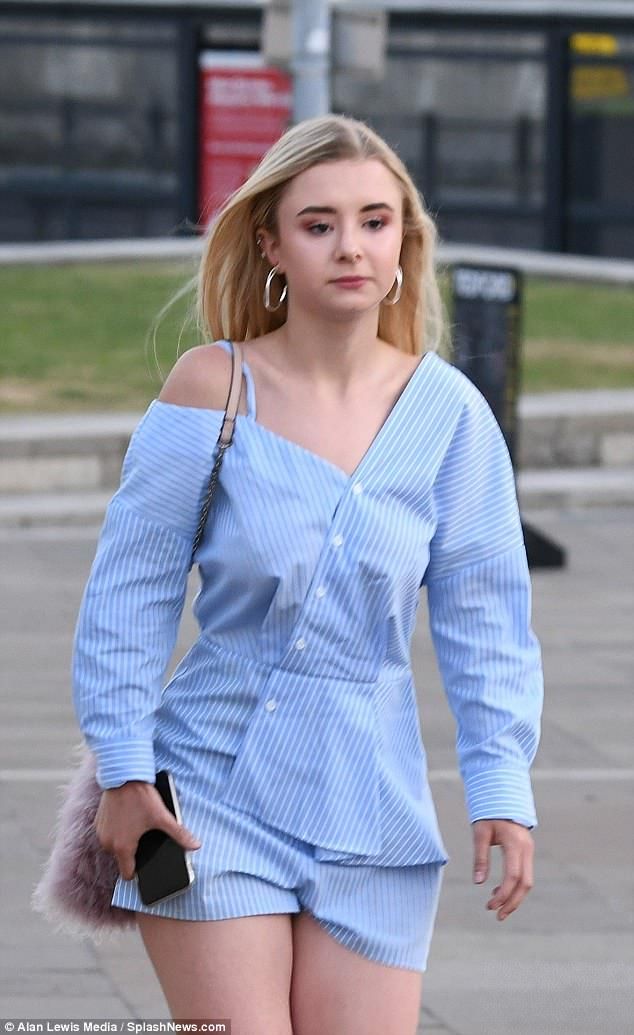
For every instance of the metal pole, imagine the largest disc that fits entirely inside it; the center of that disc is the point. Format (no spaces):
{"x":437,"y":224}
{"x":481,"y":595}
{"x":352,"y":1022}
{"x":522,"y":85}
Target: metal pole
{"x":311,"y":58}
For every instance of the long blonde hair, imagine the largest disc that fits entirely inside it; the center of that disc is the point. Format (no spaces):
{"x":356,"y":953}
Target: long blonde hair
{"x":231,"y":277}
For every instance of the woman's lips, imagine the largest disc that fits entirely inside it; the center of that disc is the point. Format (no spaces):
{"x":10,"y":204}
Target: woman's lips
{"x":350,"y":281}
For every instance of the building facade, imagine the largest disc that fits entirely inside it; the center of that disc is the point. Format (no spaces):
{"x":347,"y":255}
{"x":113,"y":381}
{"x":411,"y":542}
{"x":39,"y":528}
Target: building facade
{"x":516,"y":120}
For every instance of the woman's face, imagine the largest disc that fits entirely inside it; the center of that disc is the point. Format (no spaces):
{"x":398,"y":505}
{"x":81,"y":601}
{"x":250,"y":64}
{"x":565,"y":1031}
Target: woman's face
{"x":338,"y":219}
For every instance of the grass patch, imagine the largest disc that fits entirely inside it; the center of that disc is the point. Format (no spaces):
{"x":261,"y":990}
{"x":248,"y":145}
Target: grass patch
{"x":577,"y":335}
{"x":79,"y":337}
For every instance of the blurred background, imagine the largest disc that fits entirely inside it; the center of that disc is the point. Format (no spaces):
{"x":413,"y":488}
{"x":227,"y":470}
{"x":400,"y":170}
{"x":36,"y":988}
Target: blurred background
{"x":516,"y":119}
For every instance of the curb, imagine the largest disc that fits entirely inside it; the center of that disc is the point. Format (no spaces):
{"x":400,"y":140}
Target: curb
{"x":561,"y":489}
{"x":576,"y":449}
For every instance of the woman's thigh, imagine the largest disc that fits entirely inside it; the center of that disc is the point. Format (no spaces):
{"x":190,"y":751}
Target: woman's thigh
{"x":337,"y":991}
{"x":237,"y":969}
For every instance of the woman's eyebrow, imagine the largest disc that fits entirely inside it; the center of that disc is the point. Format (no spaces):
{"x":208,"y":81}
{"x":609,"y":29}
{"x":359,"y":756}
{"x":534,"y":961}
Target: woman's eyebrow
{"x":332,"y":211}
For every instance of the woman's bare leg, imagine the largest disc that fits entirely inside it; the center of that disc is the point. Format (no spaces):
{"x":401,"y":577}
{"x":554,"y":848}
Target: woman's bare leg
{"x":238,"y":969}
{"x":335,"y":991}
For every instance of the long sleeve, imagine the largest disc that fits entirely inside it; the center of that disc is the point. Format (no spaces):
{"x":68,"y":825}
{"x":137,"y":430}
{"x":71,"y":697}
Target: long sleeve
{"x":479,"y":596}
{"x":133,"y":600}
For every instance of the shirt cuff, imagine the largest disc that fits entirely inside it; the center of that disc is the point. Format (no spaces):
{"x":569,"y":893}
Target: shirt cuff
{"x":121,"y":760}
{"x":500,"y":794}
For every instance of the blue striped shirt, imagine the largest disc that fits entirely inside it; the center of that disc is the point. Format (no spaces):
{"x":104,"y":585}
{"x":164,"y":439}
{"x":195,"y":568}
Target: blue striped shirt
{"x":309,"y":586}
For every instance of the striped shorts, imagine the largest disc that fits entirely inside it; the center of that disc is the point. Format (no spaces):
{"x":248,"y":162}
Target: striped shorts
{"x":247,"y":868}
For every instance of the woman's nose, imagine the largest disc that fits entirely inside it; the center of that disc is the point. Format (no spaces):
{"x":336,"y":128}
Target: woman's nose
{"x":348,"y":246}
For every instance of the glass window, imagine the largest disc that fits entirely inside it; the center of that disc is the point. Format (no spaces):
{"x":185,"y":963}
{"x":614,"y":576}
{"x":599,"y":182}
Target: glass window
{"x":88,"y":119}
{"x":469,"y":128}
{"x":490,"y":42}
{"x":602,"y":128}
{"x":599,"y":237}
{"x":601,"y":139}
{"x":79,"y":30}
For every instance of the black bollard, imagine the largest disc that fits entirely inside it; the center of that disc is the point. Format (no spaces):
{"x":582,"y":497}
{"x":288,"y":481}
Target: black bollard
{"x":486,"y":332}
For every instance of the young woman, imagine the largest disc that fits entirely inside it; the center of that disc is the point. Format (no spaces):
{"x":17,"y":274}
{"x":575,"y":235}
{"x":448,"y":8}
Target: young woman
{"x":363,"y":466}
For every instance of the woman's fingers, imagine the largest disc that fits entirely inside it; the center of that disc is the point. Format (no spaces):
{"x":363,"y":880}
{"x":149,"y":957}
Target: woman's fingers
{"x":481,"y":855}
{"x":126,"y":862}
{"x":517,"y":880}
{"x":512,"y":874}
{"x":126,"y":813}
{"x":518,"y":848}
{"x":523,"y":886}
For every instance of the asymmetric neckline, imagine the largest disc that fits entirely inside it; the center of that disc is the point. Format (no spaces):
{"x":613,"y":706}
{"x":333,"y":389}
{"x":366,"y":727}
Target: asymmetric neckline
{"x":250,"y":420}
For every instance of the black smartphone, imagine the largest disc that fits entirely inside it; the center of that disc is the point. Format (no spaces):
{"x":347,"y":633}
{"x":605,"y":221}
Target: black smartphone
{"x":163,"y":867}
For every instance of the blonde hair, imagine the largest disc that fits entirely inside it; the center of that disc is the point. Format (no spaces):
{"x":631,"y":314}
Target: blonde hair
{"x":231,"y":276}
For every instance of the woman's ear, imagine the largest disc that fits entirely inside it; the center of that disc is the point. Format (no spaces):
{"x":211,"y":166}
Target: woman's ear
{"x":266,"y":244}
{"x":259,"y":240}
{"x":263,"y":241}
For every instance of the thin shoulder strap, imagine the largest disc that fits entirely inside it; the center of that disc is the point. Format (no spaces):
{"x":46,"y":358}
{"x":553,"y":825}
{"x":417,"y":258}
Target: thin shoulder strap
{"x":231,"y":406}
{"x":225,"y":438}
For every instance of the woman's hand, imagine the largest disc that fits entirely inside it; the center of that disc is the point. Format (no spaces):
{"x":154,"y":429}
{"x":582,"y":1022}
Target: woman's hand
{"x":518,"y":847}
{"x":125,"y":813}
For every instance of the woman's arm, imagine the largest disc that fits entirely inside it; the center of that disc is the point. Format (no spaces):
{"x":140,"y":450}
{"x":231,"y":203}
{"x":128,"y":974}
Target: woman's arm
{"x":479,"y":595}
{"x":125,"y":634}
{"x":133,"y":600}
{"x":490,"y":663}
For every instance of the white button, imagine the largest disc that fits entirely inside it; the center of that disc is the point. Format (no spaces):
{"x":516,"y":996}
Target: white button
{"x":300,"y":643}
{"x":271,"y":705}
{"x":320,"y":591}
{"x":357,"y":488}
{"x":337,"y":540}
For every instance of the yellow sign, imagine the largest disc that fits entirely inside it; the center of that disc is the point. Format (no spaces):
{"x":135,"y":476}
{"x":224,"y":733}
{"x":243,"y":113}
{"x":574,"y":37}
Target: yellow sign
{"x":597,"y":43}
{"x":592,"y":82}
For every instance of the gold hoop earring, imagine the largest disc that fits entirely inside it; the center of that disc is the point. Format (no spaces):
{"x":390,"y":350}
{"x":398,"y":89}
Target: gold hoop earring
{"x":267,"y":291}
{"x":399,"y":285}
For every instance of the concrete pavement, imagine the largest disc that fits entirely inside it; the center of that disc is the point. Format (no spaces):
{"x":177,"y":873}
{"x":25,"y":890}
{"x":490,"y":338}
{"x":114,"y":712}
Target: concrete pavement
{"x":561,"y":965}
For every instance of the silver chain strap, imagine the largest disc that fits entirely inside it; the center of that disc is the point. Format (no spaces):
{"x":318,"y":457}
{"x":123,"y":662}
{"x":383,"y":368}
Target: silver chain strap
{"x":202,"y":521}
{"x":221,"y":447}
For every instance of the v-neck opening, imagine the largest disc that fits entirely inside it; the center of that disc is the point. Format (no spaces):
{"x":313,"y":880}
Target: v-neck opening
{"x":252,"y":419}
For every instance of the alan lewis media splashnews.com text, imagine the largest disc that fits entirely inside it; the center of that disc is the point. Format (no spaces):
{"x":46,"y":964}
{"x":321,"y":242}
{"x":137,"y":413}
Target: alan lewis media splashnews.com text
{"x":16,"y":1025}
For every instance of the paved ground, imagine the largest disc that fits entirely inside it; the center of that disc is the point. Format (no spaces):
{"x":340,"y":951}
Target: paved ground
{"x":561,"y":964}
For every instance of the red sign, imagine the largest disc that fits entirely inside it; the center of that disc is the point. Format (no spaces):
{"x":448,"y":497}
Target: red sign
{"x":244,"y":108}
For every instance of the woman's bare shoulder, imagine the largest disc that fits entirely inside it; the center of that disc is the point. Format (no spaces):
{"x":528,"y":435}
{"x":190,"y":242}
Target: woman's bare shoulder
{"x":200,"y":377}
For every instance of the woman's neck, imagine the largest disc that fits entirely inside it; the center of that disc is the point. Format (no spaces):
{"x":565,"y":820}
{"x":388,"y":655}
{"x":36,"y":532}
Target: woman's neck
{"x":329,"y":351}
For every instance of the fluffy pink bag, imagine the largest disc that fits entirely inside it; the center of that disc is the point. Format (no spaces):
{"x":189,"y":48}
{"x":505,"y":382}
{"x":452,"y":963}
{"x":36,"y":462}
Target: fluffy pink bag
{"x":75,"y":890}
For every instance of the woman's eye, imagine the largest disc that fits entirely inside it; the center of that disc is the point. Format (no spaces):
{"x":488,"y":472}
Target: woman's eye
{"x":377,"y":223}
